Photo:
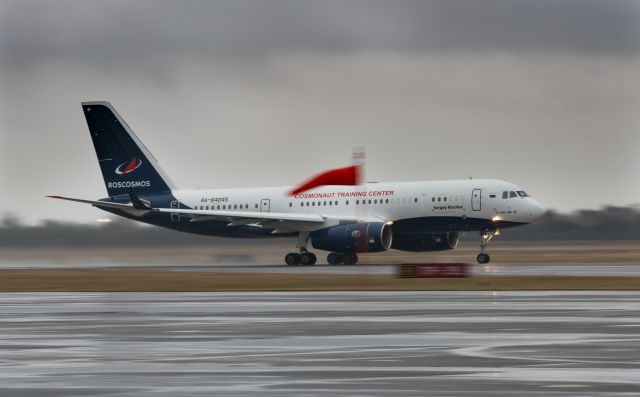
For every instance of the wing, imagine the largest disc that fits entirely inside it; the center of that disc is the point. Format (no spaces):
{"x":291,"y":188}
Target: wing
{"x":280,"y":221}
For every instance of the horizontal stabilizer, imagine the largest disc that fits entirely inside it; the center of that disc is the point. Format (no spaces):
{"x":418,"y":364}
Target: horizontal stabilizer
{"x":96,"y":203}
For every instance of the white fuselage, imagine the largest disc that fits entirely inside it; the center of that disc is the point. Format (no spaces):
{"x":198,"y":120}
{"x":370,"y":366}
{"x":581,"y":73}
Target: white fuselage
{"x":378,"y":202}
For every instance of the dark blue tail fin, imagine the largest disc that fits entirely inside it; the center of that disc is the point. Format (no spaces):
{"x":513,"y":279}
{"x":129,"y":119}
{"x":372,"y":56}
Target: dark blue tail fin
{"x":126,"y":164}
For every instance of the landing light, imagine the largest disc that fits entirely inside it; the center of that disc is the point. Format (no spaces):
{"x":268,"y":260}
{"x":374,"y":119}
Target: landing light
{"x":496,"y":218}
{"x":103,"y":220}
{"x":389,"y":223}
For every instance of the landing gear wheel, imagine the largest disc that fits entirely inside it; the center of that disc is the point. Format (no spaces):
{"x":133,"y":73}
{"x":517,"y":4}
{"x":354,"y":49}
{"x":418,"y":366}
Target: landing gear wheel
{"x":293,"y":259}
{"x":308,"y":259}
{"x":485,"y":237}
{"x":334,"y":258}
{"x":350,"y":259}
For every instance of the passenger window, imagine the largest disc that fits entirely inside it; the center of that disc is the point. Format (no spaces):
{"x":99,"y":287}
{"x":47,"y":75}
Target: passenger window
{"x":415,"y":200}
{"x":433,"y":199}
{"x":307,"y":203}
{"x":357,"y":201}
{"x":301,"y":204}
{"x":347,"y":202}
{"x":256,"y":206}
{"x":375,"y":201}
{"x":387,"y":201}
{"x":336,"y":203}
{"x":512,"y":194}
{"x":325,"y":203}
{"x":235,"y":207}
{"x":290,"y":204}
{"x":224,"y":207}
{"x":439,"y":198}
{"x":445,"y":199}
{"x":313,"y":203}
{"x":369,"y":201}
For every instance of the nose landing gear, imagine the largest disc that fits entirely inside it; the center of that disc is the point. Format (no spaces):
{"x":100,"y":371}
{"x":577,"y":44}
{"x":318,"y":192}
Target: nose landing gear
{"x":485,"y":237}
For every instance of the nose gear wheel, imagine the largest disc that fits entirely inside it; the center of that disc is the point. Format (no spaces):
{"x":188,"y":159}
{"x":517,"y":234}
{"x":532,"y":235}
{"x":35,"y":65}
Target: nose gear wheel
{"x":485,"y":237}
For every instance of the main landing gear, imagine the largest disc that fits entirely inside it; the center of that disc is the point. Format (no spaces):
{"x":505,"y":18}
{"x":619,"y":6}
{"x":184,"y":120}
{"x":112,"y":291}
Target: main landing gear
{"x":337,"y":258}
{"x":304,"y":258}
{"x":485,"y":237}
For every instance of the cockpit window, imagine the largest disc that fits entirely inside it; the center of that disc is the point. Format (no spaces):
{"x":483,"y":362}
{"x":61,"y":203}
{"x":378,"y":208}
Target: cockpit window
{"x":505,"y":195}
{"x":522,"y":194}
{"x":512,"y":194}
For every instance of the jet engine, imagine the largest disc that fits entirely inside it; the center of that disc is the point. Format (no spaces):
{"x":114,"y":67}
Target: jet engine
{"x":420,"y":242}
{"x":355,"y":237}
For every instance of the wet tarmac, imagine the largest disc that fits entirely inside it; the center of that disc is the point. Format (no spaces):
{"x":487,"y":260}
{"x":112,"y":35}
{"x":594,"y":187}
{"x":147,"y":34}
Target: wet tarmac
{"x":523,"y":269}
{"x":311,"y":344}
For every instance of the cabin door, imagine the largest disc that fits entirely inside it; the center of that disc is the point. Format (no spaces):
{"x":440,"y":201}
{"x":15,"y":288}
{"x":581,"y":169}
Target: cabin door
{"x":476,"y":199}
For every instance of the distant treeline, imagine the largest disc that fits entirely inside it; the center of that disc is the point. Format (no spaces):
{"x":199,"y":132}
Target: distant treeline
{"x":119,"y":233}
{"x":608,"y":223}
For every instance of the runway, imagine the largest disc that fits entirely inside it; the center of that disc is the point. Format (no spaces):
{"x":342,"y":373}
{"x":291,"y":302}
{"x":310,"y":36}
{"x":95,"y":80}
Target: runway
{"x":347,"y":344}
{"x":499,"y":269}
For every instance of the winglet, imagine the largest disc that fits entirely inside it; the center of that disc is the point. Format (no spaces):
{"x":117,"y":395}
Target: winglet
{"x":339,"y":176}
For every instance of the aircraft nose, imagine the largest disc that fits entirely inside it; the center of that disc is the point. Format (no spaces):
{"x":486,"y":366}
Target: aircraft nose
{"x":536,"y":210}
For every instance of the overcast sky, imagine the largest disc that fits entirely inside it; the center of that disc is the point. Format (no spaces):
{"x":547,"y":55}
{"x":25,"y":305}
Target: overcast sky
{"x":543,"y":93}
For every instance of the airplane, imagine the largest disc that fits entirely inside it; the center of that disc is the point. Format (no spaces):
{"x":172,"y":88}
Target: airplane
{"x":344,"y":220}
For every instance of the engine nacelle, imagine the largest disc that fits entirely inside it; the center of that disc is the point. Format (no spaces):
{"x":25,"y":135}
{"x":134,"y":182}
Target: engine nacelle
{"x":420,"y":242}
{"x":355,"y":237}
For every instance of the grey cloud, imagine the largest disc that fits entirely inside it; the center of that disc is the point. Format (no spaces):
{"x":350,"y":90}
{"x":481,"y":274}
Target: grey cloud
{"x":563,"y":127}
{"x":520,"y":90}
{"x":143,"y":32}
